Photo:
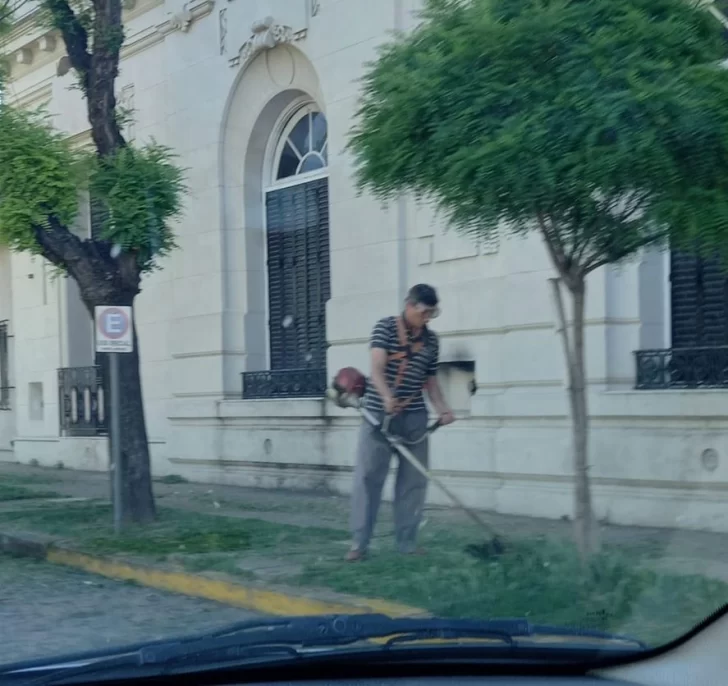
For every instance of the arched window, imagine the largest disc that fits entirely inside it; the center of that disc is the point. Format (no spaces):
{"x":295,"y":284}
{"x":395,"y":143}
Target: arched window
{"x":298,"y":270}
{"x":303,"y":145}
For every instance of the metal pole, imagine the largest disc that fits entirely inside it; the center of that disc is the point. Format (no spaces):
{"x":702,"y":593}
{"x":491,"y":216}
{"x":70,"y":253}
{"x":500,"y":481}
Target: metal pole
{"x":115,"y":437}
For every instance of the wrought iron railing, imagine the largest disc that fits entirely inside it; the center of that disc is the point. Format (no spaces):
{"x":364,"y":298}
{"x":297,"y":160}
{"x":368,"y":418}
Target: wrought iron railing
{"x":682,"y":368}
{"x":284,"y":383}
{"x":82,"y":402}
{"x":5,"y":404}
{"x":5,"y":386}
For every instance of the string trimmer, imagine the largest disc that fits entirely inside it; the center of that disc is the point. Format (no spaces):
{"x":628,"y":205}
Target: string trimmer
{"x":347,"y":391}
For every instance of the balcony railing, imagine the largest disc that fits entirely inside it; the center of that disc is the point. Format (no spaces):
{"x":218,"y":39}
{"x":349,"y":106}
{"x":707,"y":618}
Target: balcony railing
{"x":682,"y":368}
{"x":284,"y":383}
{"x":5,"y":387}
{"x":82,"y":401}
{"x":5,"y":404}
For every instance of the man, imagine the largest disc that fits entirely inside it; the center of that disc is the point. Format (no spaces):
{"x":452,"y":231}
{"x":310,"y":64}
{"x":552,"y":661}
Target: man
{"x":404,"y":359}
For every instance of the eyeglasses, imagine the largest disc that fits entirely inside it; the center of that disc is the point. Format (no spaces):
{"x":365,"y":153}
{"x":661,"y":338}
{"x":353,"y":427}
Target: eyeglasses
{"x":431,"y":312}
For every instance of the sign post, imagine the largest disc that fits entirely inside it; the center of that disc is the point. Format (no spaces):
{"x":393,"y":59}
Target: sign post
{"x":114,"y":335}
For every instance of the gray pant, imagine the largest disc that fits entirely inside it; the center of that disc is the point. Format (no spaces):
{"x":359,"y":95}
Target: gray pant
{"x":372,"y":465}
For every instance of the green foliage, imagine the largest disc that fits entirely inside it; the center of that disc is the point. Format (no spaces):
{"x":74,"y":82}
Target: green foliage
{"x":602,"y":120}
{"x":39,"y":175}
{"x":142,"y":190}
{"x":54,"y":16}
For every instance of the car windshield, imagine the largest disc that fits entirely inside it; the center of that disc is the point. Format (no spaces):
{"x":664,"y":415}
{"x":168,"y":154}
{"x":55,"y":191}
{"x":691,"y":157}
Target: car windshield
{"x":415,"y":310}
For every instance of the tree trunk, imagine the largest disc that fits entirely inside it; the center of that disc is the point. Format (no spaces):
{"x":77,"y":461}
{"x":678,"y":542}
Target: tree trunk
{"x":137,"y":501}
{"x":137,"y":498}
{"x":585,"y":530}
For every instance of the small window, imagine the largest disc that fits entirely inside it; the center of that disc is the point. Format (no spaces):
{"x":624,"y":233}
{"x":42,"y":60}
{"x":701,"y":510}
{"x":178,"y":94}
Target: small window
{"x":35,"y":400}
{"x":304,"y":145}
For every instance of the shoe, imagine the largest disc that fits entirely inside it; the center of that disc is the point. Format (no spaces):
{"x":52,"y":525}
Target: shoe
{"x":355,"y":555}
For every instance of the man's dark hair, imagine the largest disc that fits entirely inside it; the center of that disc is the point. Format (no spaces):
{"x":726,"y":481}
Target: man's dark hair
{"x":423,"y":294}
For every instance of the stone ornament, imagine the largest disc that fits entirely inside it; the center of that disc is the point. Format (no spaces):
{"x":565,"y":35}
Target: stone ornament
{"x":266,"y":35}
{"x":181,"y":21}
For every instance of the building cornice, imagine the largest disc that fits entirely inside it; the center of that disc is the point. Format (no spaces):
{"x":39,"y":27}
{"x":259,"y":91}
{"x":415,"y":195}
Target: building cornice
{"x":30,"y":46}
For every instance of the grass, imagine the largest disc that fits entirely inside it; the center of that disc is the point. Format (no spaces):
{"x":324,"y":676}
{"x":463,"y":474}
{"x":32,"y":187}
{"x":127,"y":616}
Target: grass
{"x":537,"y":578}
{"x":90,"y":526}
{"x":11,"y":492}
{"x":541,"y":580}
{"x":329,"y":507}
{"x":26,"y":480}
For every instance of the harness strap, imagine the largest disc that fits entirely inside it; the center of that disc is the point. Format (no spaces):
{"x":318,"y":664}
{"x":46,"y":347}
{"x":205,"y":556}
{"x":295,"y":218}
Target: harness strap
{"x":404,"y":355}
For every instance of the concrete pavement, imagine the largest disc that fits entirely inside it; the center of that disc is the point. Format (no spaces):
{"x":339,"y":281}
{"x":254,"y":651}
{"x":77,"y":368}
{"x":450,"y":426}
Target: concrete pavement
{"x":48,"y":610}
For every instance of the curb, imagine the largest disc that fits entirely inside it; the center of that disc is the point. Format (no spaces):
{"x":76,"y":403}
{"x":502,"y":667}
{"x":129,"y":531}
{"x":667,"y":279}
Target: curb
{"x":266,"y":600}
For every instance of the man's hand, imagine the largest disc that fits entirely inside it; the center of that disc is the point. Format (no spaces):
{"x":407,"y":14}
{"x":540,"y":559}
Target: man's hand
{"x":390,"y":405}
{"x":445,"y":414}
{"x":446,"y":417}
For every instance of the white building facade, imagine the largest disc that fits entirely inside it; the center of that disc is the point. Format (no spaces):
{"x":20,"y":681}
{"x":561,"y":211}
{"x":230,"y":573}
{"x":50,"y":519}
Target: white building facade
{"x":283,"y":269}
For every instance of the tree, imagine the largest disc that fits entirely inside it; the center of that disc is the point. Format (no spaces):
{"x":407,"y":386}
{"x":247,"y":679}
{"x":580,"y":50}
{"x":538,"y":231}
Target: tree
{"x":602,"y":125}
{"x":140,"y":191}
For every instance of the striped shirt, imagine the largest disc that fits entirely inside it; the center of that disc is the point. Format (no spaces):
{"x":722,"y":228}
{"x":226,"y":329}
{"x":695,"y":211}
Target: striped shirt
{"x":421,"y":366}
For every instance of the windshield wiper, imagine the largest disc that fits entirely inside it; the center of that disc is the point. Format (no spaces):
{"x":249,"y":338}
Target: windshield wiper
{"x":289,"y":638}
{"x":331,"y":630}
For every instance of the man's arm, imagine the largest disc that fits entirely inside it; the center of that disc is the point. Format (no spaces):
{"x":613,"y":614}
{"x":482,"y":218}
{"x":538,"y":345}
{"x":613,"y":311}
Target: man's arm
{"x":435,"y":394}
{"x":379,"y":378}
{"x":380,"y":347}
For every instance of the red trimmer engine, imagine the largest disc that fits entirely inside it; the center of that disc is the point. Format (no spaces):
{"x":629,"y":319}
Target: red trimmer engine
{"x":348,"y":387}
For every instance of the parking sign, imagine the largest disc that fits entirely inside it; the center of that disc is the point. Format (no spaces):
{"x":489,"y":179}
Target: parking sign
{"x":113,"y":329}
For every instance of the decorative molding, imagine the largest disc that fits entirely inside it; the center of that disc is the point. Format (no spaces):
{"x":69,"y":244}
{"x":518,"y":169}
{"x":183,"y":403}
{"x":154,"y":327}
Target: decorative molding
{"x":81,"y":141}
{"x":209,"y":353}
{"x":24,"y":56}
{"x":135,"y":8}
{"x":222,"y":26}
{"x":47,"y":43}
{"x":143,"y":40}
{"x":127,"y":103}
{"x":39,"y":95}
{"x":508,"y":329}
{"x":40,"y":47}
{"x":24,"y":25}
{"x":151,"y":36}
{"x":265,"y":35}
{"x":29,"y":33}
{"x":34,"y":19}
{"x":181,"y":21}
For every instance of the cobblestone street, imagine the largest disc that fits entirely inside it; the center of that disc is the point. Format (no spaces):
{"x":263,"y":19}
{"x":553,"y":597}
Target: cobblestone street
{"x":48,"y":610}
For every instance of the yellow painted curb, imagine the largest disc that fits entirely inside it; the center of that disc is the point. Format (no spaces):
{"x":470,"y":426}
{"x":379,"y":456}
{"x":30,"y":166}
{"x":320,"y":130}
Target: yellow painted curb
{"x":260,"y":600}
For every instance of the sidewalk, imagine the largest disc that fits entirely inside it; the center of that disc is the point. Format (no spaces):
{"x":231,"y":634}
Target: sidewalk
{"x":307,"y":509}
{"x":290,"y":546}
